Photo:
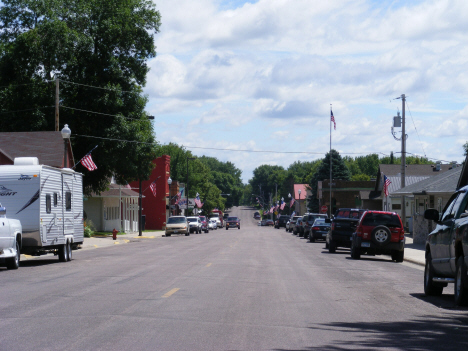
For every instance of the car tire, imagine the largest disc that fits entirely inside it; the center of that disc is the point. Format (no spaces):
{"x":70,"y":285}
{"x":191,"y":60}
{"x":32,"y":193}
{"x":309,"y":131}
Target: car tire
{"x":227,"y":228}
{"x":14,"y":262}
{"x":69,"y":251}
{"x":461,"y":283}
{"x":311,"y":238}
{"x":187,"y":234}
{"x":430,"y":288}
{"x":326,"y":245}
{"x":238,"y":227}
{"x":168,"y":234}
{"x":398,"y":256}
{"x":62,"y":253}
{"x":381,"y":235}
{"x":331,"y":247}
{"x":355,"y":253}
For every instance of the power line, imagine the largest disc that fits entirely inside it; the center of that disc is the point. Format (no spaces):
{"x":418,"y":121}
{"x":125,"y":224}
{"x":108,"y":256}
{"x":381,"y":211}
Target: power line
{"x":95,"y":87}
{"x":100,"y":113}
{"x":415,"y":129}
{"x":21,"y":85}
{"x":29,"y":109}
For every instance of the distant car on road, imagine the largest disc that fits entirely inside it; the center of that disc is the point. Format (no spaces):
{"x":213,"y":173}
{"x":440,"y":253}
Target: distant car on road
{"x":232,"y":222}
{"x":257,"y":215}
{"x":204,"y":222}
{"x":269,"y":222}
{"x":212,"y":224}
{"x":177,"y":225}
{"x":194,"y":224}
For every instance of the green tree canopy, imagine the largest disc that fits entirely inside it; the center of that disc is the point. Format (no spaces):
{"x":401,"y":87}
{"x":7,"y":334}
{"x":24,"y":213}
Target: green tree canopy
{"x":98,"y":49}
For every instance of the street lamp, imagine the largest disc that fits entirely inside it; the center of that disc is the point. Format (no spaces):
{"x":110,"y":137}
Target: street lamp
{"x":299,"y":192}
{"x":282,"y":200}
{"x":169,"y":181}
{"x":66,"y":132}
{"x":186,"y":183}
{"x":289,"y":200}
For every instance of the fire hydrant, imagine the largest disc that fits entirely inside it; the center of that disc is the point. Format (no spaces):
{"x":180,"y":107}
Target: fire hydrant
{"x":114,"y":234}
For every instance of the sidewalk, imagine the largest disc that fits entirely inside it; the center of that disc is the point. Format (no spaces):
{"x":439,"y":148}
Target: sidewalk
{"x":414,"y":253}
{"x":103,"y":241}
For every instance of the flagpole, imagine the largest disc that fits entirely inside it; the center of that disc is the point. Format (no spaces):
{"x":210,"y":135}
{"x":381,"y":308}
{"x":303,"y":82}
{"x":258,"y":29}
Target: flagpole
{"x":84,"y":156}
{"x":330,"y":161}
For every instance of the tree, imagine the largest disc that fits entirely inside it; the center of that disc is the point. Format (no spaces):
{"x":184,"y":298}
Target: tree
{"x":85,"y":44}
{"x":339,"y":171}
{"x":267,"y":181}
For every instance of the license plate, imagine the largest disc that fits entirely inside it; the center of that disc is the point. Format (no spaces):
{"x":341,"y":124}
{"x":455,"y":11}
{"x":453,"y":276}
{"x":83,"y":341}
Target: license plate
{"x":324,"y":234}
{"x":365,"y":244}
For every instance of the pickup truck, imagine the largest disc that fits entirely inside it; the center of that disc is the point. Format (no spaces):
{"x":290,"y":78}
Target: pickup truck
{"x":447,"y":248}
{"x":343,"y":226}
{"x":10,"y":240}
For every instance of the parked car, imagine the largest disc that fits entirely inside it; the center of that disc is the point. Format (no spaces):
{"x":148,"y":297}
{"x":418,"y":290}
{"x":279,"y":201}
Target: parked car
{"x":257,"y":215}
{"x":308,"y":220}
{"x":319,"y":230}
{"x":232,"y":222}
{"x":177,"y":225}
{"x":447,"y":248}
{"x":219,"y":224}
{"x":343,"y":226}
{"x":204,"y":223}
{"x":212,"y":224}
{"x":298,"y":227}
{"x":10,"y":240}
{"x":194,"y":224}
{"x":379,"y":233}
{"x":281,"y":221}
{"x":269,"y":222}
{"x":292,"y":223}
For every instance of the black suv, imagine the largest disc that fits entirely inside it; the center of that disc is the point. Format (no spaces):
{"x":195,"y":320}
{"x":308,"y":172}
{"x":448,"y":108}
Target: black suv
{"x":343,"y":225}
{"x":308,"y":220}
{"x":281,"y":222}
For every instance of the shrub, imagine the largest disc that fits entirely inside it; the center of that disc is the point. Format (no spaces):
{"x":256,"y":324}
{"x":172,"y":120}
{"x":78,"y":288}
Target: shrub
{"x":88,"y":228}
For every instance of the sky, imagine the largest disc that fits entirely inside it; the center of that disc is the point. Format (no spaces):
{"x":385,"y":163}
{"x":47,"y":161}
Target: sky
{"x":253,"y":82}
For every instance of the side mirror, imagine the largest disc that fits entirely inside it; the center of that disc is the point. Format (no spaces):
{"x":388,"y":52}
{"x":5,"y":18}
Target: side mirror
{"x":328,"y":220}
{"x":432,"y":214}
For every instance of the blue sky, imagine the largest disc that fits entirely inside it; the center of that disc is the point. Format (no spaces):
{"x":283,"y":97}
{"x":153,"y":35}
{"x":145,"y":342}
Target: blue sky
{"x":261,"y":75}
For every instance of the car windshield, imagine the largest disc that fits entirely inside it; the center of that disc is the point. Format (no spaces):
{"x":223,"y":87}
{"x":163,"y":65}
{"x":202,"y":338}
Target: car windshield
{"x":192,"y":219}
{"x":232,"y":219}
{"x":348,"y":214}
{"x":375,"y":219}
{"x":174,"y":220}
{"x":203,"y":218}
{"x":320,"y":222}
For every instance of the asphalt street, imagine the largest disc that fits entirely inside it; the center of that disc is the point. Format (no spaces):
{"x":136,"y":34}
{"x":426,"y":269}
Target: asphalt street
{"x":257,"y":288}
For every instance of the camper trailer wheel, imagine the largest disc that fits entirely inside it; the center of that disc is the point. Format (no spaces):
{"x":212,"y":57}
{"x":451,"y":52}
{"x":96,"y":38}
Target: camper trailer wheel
{"x":69,"y":251}
{"x":62,"y":253}
{"x":13,"y":263}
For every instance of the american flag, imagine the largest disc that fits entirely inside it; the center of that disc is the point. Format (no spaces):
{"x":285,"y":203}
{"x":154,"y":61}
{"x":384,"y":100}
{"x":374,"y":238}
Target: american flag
{"x":293,"y":214}
{"x":198,"y":202}
{"x":292,"y":202}
{"x":87,"y":161}
{"x":153,"y":188}
{"x":386,"y":184}
{"x":332,"y":118}
{"x":282,"y":205}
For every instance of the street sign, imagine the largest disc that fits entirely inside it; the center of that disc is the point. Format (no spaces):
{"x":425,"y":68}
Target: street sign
{"x":324,"y":209}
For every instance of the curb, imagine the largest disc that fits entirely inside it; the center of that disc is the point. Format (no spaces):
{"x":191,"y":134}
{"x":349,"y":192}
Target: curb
{"x":415,"y":261}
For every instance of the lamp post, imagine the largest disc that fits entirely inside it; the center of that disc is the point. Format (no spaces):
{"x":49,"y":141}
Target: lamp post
{"x":299,"y":192}
{"x":186,"y":183}
{"x":289,"y":199}
{"x":66,"y":132}
{"x":282,"y":200}
{"x":169,"y":181}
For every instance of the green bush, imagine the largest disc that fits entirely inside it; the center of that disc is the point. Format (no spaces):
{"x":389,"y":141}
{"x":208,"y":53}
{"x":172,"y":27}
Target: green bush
{"x":88,"y":228}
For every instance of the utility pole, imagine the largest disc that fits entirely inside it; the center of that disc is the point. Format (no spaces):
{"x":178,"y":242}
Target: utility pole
{"x":57,"y":104}
{"x":403,"y":159}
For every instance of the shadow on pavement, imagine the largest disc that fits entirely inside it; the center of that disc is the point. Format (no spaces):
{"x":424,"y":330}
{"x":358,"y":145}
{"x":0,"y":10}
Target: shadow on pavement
{"x":423,"y":333}
{"x":445,"y":301}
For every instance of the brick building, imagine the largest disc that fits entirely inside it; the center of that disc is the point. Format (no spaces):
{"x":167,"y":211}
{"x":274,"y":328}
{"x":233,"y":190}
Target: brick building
{"x":344,"y":193}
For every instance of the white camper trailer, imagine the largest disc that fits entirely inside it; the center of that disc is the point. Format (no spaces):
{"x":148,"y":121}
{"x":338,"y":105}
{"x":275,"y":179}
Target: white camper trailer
{"x":49,"y":203}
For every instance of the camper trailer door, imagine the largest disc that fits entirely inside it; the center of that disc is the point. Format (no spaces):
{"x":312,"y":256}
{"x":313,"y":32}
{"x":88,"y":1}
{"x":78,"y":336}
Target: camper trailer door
{"x":67,"y":193}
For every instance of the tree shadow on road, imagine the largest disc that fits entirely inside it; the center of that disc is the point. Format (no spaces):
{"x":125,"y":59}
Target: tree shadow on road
{"x":423,"y":333}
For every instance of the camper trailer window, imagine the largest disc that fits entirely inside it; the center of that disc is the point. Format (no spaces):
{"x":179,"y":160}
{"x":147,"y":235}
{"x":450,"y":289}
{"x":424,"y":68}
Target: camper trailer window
{"x":55,"y":199}
{"x":48,"y":203}
{"x":68,"y":201}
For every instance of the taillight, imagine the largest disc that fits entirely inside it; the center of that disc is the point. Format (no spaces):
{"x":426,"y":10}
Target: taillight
{"x":402,"y":234}
{"x":315,"y":228}
{"x":359,"y":231}
{"x":333,"y":226}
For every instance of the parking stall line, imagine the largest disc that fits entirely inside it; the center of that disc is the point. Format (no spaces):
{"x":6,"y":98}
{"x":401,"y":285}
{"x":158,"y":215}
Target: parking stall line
{"x":171,"y":292}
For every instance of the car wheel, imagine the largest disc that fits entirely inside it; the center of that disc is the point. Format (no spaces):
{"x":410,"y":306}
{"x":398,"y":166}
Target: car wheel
{"x":238,"y":227}
{"x":331,"y":247}
{"x":326,"y":245}
{"x":355,"y":253}
{"x":187,"y":234}
{"x":227,"y":228}
{"x":398,"y":256}
{"x":430,"y":288}
{"x":62,"y":253}
{"x":311,"y":238}
{"x":14,"y":262}
{"x":69,"y":251}
{"x":168,"y":234}
{"x":381,"y":235}
{"x":461,"y":283}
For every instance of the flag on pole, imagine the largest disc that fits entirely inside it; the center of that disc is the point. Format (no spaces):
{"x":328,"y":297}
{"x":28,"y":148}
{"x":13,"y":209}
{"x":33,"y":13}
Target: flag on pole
{"x":292,"y":202}
{"x":198,"y":202}
{"x":153,"y":188}
{"x":87,"y":161}
{"x":282,"y":205}
{"x":386,"y":184}
{"x":293,"y":214}
{"x":332,"y":118}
